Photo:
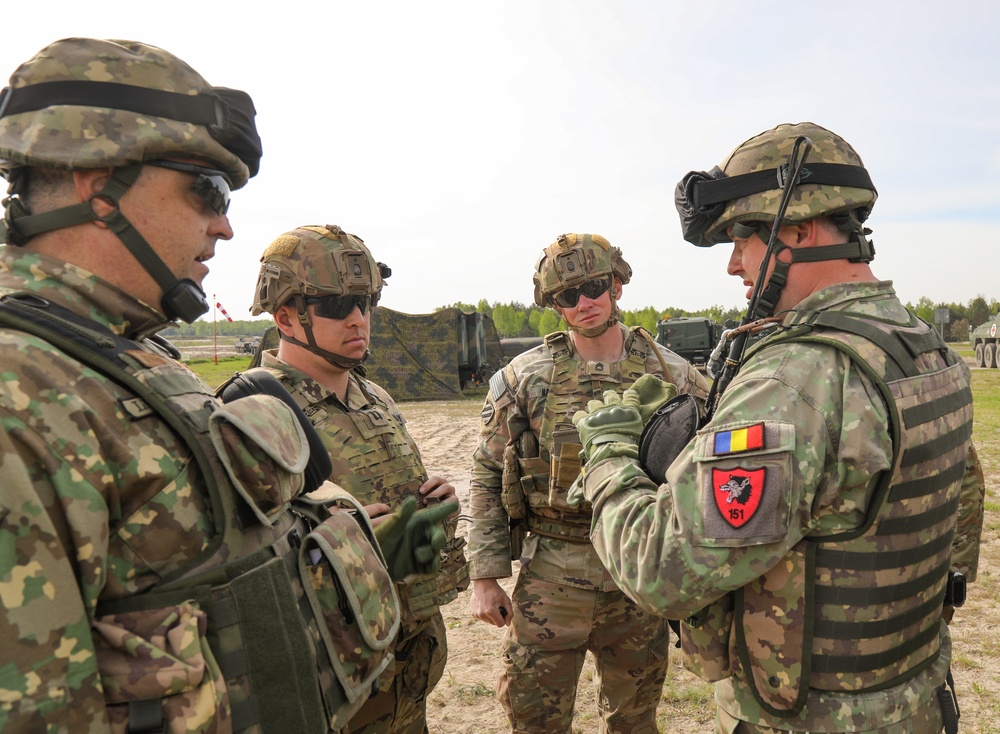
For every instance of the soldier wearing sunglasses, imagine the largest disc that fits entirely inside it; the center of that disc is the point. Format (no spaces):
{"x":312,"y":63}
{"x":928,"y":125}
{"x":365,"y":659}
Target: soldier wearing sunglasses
{"x":320,"y":285}
{"x":564,"y":602}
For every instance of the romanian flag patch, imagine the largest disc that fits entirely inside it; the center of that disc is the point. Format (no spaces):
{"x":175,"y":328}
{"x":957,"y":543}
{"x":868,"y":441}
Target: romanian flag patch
{"x":750,"y":438}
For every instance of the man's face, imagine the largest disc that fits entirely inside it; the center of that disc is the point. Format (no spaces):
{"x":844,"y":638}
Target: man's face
{"x":175,"y":214}
{"x":593,"y":302}
{"x":745,"y":260}
{"x":347,"y":337}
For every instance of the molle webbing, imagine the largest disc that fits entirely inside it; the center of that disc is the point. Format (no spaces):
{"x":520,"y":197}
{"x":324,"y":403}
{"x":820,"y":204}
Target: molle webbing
{"x":917,"y":505}
{"x":874,"y":593}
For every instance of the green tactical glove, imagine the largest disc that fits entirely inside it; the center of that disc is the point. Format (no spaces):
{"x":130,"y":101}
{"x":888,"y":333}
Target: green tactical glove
{"x":611,"y":421}
{"x":411,"y":541}
{"x":648,"y":394}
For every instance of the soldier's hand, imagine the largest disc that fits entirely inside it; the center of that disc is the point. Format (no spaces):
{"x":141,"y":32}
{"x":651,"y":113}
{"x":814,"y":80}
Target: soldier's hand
{"x":412,"y":541}
{"x":609,"y":421}
{"x":648,"y":394}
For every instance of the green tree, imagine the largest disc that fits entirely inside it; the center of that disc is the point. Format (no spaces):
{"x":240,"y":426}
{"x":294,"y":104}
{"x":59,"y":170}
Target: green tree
{"x":548,"y":322}
{"x":509,"y":319}
{"x":979,"y":311}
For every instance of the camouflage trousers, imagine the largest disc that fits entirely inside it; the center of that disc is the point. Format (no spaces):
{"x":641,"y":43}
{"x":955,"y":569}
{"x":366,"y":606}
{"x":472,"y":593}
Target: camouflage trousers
{"x":400,"y":706}
{"x":552,"y":628}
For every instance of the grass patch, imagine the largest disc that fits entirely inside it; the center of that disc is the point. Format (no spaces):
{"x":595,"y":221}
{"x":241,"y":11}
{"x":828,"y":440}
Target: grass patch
{"x":215,"y":374}
{"x":469,"y":694}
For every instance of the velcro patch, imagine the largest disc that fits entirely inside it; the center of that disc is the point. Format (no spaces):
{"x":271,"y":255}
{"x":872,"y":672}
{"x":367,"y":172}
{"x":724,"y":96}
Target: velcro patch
{"x":736,"y":441}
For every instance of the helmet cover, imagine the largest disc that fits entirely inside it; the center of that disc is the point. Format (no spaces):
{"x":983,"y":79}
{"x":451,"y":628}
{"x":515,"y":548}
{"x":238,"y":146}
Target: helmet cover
{"x":314,"y":261}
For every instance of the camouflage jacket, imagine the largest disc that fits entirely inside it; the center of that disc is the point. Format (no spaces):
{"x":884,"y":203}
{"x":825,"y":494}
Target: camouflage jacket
{"x":667,"y":549}
{"x":72,"y":469}
{"x":148,"y":555}
{"x":376,"y":460}
{"x":521,"y":407}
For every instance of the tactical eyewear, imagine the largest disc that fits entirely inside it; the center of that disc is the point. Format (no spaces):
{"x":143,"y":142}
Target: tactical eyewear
{"x":211,"y":184}
{"x":340,"y":307}
{"x":592,"y":289}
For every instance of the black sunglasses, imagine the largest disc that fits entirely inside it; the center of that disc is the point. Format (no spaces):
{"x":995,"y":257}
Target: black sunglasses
{"x":592,"y":289}
{"x":340,"y":307}
{"x":211,"y":185}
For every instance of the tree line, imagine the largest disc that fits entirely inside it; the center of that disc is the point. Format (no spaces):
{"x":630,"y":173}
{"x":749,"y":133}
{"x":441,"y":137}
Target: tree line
{"x":515,"y":319}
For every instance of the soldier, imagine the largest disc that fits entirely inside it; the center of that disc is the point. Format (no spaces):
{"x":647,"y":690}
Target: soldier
{"x":320,"y":284}
{"x":564,"y":602}
{"x":161,"y":566}
{"x":805,"y":534}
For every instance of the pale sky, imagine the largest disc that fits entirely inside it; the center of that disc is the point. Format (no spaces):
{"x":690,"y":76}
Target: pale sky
{"x":460,"y":138}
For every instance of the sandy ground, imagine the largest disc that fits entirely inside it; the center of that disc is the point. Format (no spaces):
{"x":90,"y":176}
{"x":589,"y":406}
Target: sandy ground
{"x":463,"y":702}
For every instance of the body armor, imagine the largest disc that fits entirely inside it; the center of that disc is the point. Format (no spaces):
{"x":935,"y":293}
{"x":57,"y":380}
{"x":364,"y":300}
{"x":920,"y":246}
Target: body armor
{"x":550,"y":462}
{"x":863,"y":608}
{"x":289,"y":598}
{"x":375,"y":459}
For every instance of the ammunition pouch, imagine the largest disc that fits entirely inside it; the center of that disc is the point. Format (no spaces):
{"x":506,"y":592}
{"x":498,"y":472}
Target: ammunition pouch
{"x":564,"y":468}
{"x":511,"y":492}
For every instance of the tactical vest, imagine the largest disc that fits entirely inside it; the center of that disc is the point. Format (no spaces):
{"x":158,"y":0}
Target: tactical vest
{"x":550,"y":462}
{"x":863,"y":607}
{"x":298,"y":609}
{"x":375,"y":459}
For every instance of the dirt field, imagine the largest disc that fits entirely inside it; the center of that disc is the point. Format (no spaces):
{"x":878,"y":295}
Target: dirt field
{"x":464,"y":701}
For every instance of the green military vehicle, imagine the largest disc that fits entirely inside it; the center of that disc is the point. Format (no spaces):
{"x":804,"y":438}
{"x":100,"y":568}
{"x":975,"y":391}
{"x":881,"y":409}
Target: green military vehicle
{"x":985,"y":339}
{"x":692,"y":337}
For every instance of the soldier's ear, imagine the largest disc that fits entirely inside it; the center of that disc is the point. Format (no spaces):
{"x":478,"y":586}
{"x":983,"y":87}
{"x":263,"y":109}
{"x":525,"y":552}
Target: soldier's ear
{"x":285,"y":319}
{"x":91,"y":181}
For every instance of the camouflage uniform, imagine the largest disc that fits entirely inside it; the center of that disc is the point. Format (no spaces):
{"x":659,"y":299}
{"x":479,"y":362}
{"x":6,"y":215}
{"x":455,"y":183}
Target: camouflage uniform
{"x":812,"y":467}
{"x":565,"y":602}
{"x":375,"y":460}
{"x":153,"y":571}
{"x":104,"y":505}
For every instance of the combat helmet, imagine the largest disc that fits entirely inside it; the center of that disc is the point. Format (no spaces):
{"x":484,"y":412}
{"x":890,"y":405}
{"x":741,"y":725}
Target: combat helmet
{"x":311,"y":264}
{"x":92,"y":103}
{"x":744,"y":194}
{"x":574,"y":259}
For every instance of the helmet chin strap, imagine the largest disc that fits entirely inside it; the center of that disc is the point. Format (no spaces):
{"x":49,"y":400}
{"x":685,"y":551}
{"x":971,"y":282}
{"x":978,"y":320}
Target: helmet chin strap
{"x":595,"y":331}
{"x":857,"y":249}
{"x":182,"y":298}
{"x":337,"y":360}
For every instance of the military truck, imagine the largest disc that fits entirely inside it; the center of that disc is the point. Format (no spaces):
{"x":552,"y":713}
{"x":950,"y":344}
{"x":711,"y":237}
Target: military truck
{"x":247,"y":345}
{"x":692,"y":337}
{"x":985,"y":339}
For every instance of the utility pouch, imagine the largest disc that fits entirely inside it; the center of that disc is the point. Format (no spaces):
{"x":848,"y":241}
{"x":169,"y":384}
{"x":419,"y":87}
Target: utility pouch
{"x":156,"y":663}
{"x":564,"y":466}
{"x":705,"y":640}
{"x":511,"y":492}
{"x":355,"y":602}
{"x":264,"y":451}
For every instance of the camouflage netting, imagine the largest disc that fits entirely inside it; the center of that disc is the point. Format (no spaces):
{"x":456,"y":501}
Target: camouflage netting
{"x":415,"y":357}
{"x":418,"y":356}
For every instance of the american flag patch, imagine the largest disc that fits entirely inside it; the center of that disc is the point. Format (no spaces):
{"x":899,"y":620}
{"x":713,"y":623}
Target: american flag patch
{"x":742,"y":439}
